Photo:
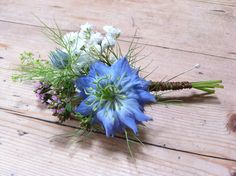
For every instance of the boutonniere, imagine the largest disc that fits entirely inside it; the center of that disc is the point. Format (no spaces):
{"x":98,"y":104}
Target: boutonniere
{"x":89,"y":78}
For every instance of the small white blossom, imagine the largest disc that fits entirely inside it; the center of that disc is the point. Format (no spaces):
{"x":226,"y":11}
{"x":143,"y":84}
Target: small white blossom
{"x":96,"y":38}
{"x":71,"y":37}
{"x":86,"y":27}
{"x":98,"y":48}
{"x":111,"y":31}
{"x":85,"y":32}
{"x":83,"y":35}
{"x":108,"y":41}
{"x":84,"y":60}
{"x":76,"y":48}
{"x":73,"y":41}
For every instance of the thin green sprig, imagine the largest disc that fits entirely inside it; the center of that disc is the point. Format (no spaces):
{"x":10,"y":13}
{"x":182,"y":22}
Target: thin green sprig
{"x":128,"y":144}
{"x":32,"y":68}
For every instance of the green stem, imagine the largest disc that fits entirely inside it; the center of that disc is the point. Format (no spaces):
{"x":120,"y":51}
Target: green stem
{"x":207,"y":86}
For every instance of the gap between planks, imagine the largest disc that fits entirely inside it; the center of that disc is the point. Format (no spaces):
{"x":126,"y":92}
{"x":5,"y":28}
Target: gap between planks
{"x":186,"y":25}
{"x":34,"y":150}
{"x":13,"y":112}
{"x":142,"y":43}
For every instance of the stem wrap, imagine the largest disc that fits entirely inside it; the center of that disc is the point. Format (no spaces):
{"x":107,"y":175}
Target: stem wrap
{"x":162,"y":86}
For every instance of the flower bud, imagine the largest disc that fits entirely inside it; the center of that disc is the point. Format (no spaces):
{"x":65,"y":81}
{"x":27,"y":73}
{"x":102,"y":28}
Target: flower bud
{"x":59,"y":59}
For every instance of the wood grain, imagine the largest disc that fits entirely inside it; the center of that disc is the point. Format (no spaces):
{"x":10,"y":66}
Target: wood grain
{"x":196,"y":137}
{"x":189,"y":26}
{"x":29,"y":147}
{"x":198,"y":125}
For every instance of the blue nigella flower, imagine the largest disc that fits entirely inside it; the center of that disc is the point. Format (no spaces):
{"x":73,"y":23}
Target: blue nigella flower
{"x":115,"y":95}
{"x":59,"y":59}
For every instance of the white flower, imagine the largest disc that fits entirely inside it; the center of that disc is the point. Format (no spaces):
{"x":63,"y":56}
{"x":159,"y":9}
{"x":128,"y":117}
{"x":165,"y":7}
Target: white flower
{"x":85,"y":32}
{"x":84,"y":60}
{"x":98,"y":48}
{"x":76,"y":48}
{"x":86,"y":27}
{"x":73,"y":41}
{"x":111,"y":31}
{"x":108,"y":41}
{"x":71,"y":37}
{"x":96,"y":38}
{"x":83,"y":35}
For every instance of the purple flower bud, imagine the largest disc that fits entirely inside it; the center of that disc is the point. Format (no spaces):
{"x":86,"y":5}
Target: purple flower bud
{"x":49,"y":101}
{"x":38,"y":91}
{"x":54,"y":111}
{"x":60,"y":110}
{"x":54,"y":97}
{"x":46,"y":86}
{"x":37,"y":95}
{"x":37,"y":85}
{"x":41,"y":96}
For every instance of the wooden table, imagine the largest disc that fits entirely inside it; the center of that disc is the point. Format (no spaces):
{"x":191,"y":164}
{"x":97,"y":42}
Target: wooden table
{"x":184,"y":139}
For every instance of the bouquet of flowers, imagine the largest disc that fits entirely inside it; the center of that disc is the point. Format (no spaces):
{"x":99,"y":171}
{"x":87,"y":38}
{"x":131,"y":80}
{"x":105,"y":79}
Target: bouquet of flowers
{"x":89,"y":78}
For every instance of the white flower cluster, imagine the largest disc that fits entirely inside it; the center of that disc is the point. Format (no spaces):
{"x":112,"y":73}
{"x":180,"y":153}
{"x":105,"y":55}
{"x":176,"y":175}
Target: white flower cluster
{"x":87,"y":43}
{"x":87,"y":39}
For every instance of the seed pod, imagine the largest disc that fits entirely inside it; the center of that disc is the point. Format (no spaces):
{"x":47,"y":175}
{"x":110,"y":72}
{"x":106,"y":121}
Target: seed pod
{"x":59,"y":59}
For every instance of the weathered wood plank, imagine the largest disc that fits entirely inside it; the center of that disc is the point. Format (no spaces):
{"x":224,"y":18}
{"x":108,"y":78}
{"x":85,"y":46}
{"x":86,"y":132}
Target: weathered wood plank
{"x":27,"y":147}
{"x":190,"y":26}
{"x":199,"y":126}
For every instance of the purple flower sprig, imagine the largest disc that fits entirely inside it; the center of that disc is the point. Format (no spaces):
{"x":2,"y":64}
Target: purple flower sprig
{"x":47,"y":96}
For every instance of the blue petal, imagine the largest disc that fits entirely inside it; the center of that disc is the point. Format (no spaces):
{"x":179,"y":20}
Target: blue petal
{"x":121,"y":66}
{"x":133,"y":107}
{"x":134,"y":82}
{"x":85,"y":107}
{"x":99,"y":69}
{"x":132,"y":103}
{"x":146,"y":97}
{"x":84,"y":82}
{"x":107,"y":118}
{"x":143,"y":84}
{"x":140,"y":116}
{"x":126,"y":117}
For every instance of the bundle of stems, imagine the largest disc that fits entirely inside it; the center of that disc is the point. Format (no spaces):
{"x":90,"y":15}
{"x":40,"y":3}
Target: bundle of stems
{"x":206,"y":86}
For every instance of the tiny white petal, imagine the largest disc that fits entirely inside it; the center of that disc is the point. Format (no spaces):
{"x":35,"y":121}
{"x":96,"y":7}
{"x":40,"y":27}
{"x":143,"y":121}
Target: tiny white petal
{"x":111,"y":31}
{"x":84,"y":59}
{"x":98,"y":48}
{"x":108,"y":41}
{"x":76,"y":48}
{"x":83,"y":35}
{"x":70,"y":37}
{"x":96,"y":38}
{"x":86,"y":27}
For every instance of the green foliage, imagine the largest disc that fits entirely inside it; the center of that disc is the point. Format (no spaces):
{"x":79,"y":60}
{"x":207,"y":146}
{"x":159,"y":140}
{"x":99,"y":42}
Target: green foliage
{"x":32,"y":68}
{"x":85,"y":121}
